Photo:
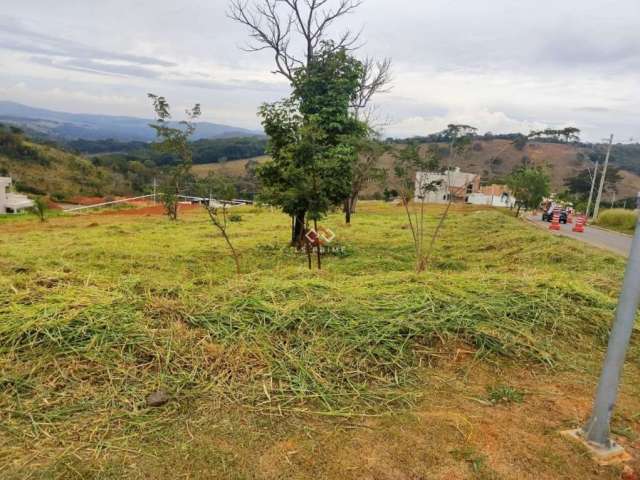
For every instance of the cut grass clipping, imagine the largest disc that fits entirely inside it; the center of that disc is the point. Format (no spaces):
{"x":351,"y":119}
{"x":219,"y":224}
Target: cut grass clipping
{"x":97,"y":318}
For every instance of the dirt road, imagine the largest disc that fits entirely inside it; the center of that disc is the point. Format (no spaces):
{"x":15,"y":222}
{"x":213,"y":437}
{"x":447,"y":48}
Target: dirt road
{"x":612,"y":241}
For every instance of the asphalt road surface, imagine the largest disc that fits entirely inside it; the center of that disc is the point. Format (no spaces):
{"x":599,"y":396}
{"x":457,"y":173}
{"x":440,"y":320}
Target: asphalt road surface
{"x":615,"y":242}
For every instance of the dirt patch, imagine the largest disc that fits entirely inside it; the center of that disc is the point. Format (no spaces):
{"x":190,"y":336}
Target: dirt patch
{"x":453,"y":434}
{"x":151,"y":210}
{"x":86,"y":201}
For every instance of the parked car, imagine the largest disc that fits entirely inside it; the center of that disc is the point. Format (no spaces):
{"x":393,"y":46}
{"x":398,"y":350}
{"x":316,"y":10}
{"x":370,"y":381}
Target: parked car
{"x":547,"y":215}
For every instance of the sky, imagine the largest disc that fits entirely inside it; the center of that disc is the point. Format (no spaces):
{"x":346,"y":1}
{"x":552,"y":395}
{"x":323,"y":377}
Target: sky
{"x":499,"y":65}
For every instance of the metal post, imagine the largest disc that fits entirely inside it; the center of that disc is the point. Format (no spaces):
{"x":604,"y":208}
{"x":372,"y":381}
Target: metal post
{"x":155,"y":187}
{"x":604,"y":176}
{"x":597,"y":429}
{"x":593,"y":187}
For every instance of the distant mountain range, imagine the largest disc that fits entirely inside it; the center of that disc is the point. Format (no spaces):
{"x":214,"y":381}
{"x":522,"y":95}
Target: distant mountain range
{"x":74,"y":126}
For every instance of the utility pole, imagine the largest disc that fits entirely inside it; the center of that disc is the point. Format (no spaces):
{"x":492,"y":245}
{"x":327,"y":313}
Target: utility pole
{"x":604,"y":176}
{"x":593,"y":187}
{"x":596,"y":431}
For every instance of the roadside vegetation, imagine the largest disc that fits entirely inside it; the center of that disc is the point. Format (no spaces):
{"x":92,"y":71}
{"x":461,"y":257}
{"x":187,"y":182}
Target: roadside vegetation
{"x":618,"y":219}
{"x":101,"y":311}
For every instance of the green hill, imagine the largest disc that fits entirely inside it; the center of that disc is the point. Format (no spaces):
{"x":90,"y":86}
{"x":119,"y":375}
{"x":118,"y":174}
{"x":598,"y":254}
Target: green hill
{"x":494,"y":159}
{"x":47,"y":170}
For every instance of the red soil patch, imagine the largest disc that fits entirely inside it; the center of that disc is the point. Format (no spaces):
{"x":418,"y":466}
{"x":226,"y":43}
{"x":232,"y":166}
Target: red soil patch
{"x":86,"y":201}
{"x":151,"y":210}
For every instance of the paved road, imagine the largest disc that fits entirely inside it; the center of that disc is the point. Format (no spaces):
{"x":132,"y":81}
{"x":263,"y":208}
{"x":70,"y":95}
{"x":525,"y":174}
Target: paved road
{"x":612,"y":241}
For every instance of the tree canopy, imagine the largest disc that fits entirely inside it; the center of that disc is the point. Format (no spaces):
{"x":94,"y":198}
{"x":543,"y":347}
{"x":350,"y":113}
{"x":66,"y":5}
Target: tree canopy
{"x":309,"y":132}
{"x":529,"y":186}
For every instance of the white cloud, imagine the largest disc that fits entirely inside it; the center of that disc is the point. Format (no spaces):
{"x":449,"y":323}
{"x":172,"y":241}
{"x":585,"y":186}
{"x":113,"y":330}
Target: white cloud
{"x":483,"y":119}
{"x":499,"y":65}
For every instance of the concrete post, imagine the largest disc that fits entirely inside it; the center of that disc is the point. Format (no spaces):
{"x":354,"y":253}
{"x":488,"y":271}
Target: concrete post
{"x":596,"y":211}
{"x":155,"y":191}
{"x":593,"y":187}
{"x":596,"y":431}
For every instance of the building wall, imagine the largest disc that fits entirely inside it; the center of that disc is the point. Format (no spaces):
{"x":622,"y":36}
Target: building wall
{"x":462,"y":185}
{"x":4,"y":188}
{"x":501,"y":201}
{"x":12,"y":202}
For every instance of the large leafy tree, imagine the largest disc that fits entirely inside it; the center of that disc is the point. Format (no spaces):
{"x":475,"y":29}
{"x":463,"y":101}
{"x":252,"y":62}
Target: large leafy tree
{"x":309,"y":140}
{"x":563,"y":135}
{"x":307,"y":49}
{"x":529,"y":186}
{"x":580,"y":184}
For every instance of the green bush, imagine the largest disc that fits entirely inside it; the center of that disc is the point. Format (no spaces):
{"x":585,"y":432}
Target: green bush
{"x":618,"y":219}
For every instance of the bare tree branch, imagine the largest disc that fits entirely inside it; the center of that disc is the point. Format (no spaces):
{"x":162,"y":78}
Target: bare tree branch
{"x":376,"y":77}
{"x":284,"y":25}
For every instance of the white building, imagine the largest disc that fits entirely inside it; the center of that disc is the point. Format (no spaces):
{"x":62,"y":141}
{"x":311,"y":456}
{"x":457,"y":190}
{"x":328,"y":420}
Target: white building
{"x":493,"y":196}
{"x":12,"y":202}
{"x":460,"y":184}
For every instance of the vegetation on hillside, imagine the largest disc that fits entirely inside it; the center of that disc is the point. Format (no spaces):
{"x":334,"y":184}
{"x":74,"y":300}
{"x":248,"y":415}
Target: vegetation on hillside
{"x":41,"y":169}
{"x":618,"y":219}
{"x":204,"y":151}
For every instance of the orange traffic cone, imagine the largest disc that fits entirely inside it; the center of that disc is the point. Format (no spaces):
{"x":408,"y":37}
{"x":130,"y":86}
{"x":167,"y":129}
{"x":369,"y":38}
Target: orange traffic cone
{"x":579,"y":226}
{"x":555,"y":220}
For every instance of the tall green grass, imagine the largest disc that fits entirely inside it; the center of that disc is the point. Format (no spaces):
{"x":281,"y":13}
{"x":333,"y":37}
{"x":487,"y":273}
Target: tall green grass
{"x":618,"y":219}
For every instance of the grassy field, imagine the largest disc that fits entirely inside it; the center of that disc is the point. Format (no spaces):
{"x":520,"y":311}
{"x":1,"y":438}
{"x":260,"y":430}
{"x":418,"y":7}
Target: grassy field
{"x":233,"y":168}
{"x":619,"y":220}
{"x":364,"y":370}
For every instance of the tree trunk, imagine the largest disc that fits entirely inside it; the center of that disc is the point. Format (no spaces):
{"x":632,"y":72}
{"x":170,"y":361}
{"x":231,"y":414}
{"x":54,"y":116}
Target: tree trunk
{"x":350,"y":207}
{"x":518,"y":212}
{"x":175,"y":211}
{"x":298,"y":230}
{"x":347,"y":211}
{"x":318,"y":244}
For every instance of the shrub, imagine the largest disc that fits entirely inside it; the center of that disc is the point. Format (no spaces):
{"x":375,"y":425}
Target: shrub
{"x":40,"y":208}
{"x":504,"y":394}
{"x":618,"y":219}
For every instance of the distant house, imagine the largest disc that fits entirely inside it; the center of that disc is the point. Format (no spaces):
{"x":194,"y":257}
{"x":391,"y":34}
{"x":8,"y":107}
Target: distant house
{"x":432,"y":187}
{"x":12,"y":202}
{"x":494,"y":196}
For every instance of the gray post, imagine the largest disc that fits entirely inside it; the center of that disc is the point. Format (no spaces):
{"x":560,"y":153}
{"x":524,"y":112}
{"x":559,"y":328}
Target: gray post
{"x":593,"y":187}
{"x":604,"y":176}
{"x":155,"y":188}
{"x":597,"y":429}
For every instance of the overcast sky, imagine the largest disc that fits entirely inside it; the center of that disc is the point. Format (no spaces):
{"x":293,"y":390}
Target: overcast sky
{"x":500,"y":65}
